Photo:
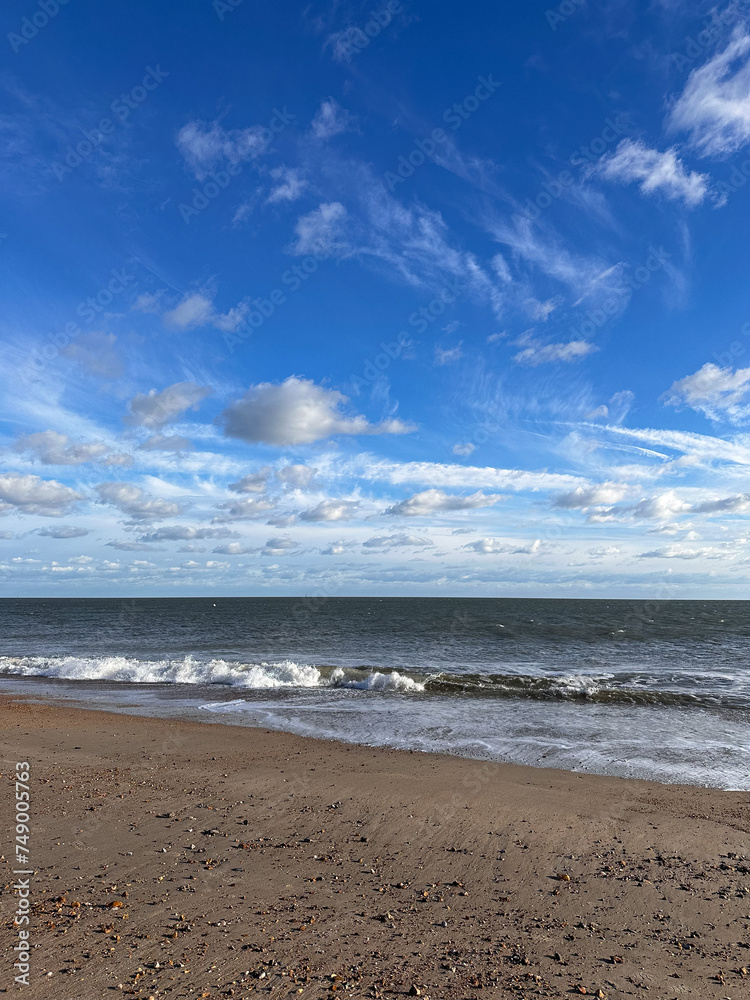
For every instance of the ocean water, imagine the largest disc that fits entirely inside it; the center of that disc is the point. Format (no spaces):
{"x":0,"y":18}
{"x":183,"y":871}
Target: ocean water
{"x":656,"y":690}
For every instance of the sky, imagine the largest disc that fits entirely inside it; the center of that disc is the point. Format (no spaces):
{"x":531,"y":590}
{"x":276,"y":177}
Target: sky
{"x":391,"y":297}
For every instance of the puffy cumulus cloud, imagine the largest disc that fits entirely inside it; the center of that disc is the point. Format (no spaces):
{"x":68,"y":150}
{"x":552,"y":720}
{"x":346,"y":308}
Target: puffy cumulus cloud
{"x":297,"y":477}
{"x":331,"y":510}
{"x":166,"y":442}
{"x":436,"y":502}
{"x":717,"y":393}
{"x":52,"y":448}
{"x":135,"y":503}
{"x":289,"y":185}
{"x":656,"y":172}
{"x":336,"y":548}
{"x":603,"y":551}
{"x":661,"y":507}
{"x":280,"y":546}
{"x":296,"y":412}
{"x":234,"y":549}
{"x":205,"y":146}
{"x":543,"y":354}
{"x":154,"y":409}
{"x":496,"y":546}
{"x":32,"y":495}
{"x":398,"y":541}
{"x":714,"y":107}
{"x":584,"y":497}
{"x":322,"y":232}
{"x":464,"y":450}
{"x":197,"y":309}
{"x":255,"y":482}
{"x":186,"y":533}
{"x":330,"y":120}
{"x":244,"y":510}
{"x":95,"y":352}
{"x":64,"y":531}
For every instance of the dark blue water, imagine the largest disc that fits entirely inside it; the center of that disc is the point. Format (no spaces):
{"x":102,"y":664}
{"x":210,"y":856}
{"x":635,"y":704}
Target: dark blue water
{"x":654,"y":689}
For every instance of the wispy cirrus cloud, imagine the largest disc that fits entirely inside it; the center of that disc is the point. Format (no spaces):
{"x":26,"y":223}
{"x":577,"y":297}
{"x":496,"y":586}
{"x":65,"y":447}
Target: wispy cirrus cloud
{"x":714,"y":107}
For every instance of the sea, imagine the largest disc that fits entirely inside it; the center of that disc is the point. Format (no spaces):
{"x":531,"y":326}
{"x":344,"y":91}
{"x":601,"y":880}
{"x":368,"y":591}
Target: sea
{"x":648,"y":689}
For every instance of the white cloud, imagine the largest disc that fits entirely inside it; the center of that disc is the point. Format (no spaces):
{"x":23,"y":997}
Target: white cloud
{"x":331,"y":120}
{"x":662,"y":507}
{"x":683,"y":552}
{"x":234,"y":549}
{"x":446,"y":356}
{"x":186,"y":533}
{"x":290,"y":185}
{"x":32,"y":495}
{"x":496,"y":546}
{"x":322,"y":231}
{"x":256,"y":482}
{"x":584,"y":497}
{"x":464,"y":449}
{"x":436,"y":502}
{"x":297,"y":412}
{"x":134,"y":502}
{"x":205,"y":147}
{"x":279,"y":546}
{"x":714,"y":107}
{"x":717,"y":393}
{"x":243,"y":510}
{"x":296,"y":476}
{"x":397,"y":541}
{"x":538,"y":354}
{"x":154,"y":409}
{"x":64,"y":531}
{"x":336,"y":548}
{"x":197,"y":309}
{"x":657,"y":172}
{"x":331,"y":510}
{"x":52,"y":448}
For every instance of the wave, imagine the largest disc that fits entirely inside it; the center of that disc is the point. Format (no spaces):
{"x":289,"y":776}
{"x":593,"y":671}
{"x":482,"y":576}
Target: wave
{"x":188,"y":670}
{"x":602,"y":689}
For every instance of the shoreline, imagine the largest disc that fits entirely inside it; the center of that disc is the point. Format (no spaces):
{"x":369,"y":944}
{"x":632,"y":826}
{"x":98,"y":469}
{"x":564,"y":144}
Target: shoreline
{"x":252,"y":860}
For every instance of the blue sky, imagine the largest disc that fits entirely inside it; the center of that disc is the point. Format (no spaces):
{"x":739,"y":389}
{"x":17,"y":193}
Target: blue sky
{"x":375,"y":298}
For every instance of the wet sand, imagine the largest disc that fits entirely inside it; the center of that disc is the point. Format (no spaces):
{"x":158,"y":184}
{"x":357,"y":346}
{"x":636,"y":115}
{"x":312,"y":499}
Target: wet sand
{"x":175,"y":859}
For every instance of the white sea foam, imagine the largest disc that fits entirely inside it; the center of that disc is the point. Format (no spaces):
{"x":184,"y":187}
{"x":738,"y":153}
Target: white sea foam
{"x":188,"y":670}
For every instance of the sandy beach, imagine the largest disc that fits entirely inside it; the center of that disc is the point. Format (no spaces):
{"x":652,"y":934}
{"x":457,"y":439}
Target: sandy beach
{"x":177,"y":859}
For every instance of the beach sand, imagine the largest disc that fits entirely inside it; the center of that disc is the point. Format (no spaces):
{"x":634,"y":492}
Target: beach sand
{"x":177,"y":859}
